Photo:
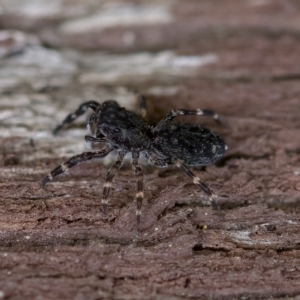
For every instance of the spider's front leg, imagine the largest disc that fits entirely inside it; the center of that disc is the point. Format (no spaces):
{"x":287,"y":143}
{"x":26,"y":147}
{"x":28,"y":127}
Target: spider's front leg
{"x":80,"y":111}
{"x":138,"y":171}
{"x":74,"y":161}
{"x":90,"y":141}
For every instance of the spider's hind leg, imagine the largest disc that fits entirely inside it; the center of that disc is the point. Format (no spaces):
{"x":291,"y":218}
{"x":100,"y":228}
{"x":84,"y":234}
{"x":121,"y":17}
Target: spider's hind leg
{"x":196,"y":180}
{"x":80,"y":111}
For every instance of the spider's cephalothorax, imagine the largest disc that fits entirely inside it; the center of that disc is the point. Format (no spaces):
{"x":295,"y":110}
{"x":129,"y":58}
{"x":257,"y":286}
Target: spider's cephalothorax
{"x":123,"y":129}
{"x":167,"y":143}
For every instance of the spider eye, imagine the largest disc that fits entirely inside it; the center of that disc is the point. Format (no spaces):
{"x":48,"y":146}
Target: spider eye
{"x":116,"y":130}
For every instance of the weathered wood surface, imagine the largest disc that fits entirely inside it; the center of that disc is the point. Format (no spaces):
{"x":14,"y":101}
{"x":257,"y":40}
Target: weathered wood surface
{"x":239,"y":58}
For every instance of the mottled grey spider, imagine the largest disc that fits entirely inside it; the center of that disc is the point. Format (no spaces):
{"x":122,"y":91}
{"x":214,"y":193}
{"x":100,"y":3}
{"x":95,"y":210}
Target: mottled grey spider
{"x":166,"y":143}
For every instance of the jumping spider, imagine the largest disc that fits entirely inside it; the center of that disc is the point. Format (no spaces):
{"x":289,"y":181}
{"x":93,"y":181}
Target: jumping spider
{"x":167,"y":143}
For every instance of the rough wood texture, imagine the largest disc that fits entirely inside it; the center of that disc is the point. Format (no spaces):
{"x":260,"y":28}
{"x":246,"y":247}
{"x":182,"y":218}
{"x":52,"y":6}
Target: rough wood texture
{"x":57,"y":243}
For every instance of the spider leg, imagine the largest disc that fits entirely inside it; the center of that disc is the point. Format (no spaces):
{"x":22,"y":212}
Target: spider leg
{"x":142,"y":107}
{"x":90,"y":140}
{"x":186,"y":112}
{"x":74,"y":161}
{"x":109,"y":177}
{"x":157,"y":161}
{"x":196,"y":180}
{"x":80,"y":111}
{"x":138,"y":171}
{"x":92,"y":124}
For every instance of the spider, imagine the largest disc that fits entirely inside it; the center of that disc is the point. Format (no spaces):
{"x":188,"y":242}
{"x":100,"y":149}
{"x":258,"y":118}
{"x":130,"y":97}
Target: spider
{"x":167,"y":143}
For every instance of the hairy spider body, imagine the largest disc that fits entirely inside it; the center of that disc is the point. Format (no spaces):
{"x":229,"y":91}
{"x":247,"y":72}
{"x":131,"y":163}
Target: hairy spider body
{"x":192,"y":144}
{"x":125,"y":132}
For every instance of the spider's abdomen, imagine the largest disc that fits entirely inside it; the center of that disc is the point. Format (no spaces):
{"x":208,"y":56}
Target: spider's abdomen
{"x":193,"y":144}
